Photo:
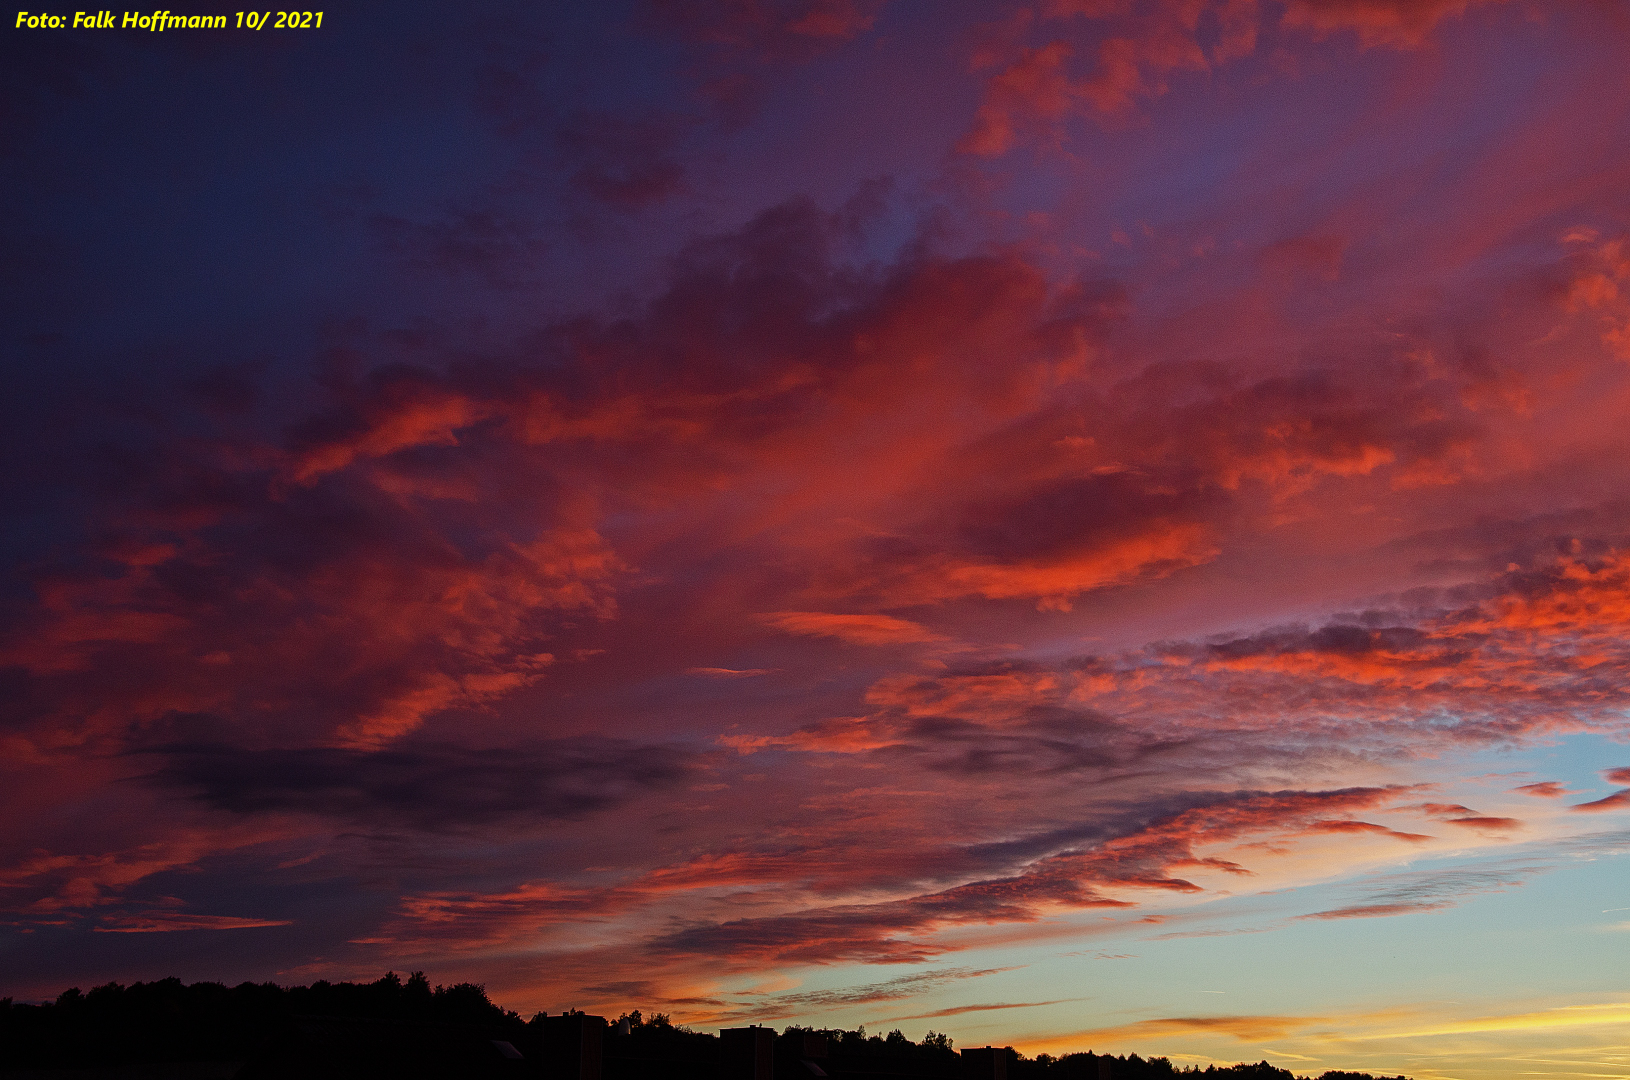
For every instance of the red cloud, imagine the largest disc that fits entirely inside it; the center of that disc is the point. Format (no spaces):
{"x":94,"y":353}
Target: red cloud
{"x":1398,"y":23}
{"x":1035,"y":86}
{"x":1545,"y":789}
{"x":1486,"y":824}
{"x":1619,"y":800}
{"x":768,"y":28}
{"x":1444,"y":809}
{"x":1128,"y":52}
{"x":1365,"y":826}
{"x":403,"y":412}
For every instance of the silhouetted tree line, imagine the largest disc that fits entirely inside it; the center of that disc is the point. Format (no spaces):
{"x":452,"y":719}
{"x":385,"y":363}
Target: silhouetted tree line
{"x":169,"y":1021}
{"x":1133,"y":1067}
{"x":854,"y":1054}
{"x":655,"y":1046}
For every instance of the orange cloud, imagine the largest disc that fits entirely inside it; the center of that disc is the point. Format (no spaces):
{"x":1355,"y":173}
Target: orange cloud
{"x":1166,"y":549}
{"x":1243,"y":1028}
{"x":842,"y":735}
{"x":1485,"y":824}
{"x":852,"y":629}
{"x":1365,"y":826}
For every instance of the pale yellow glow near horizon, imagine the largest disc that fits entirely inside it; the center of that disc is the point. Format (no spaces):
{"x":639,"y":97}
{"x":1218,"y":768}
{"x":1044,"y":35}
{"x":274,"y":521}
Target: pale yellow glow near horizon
{"x":1617,"y":1012}
{"x":1312,"y":1044}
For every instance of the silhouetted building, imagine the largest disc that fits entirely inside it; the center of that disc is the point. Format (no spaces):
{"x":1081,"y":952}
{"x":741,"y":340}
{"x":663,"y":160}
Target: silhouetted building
{"x":659,"y":1051}
{"x":986,"y":1062}
{"x":799,"y":1055}
{"x":573,"y":1047}
{"x":1088,"y":1066}
{"x":362,"y":1048}
{"x":747,"y":1053}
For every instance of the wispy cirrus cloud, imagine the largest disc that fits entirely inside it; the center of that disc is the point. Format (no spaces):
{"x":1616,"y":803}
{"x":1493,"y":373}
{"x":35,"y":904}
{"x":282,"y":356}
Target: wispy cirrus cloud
{"x":1427,"y":890}
{"x":163,"y":922}
{"x":900,"y":988}
{"x":961,"y":1010}
{"x":1240,"y":1028}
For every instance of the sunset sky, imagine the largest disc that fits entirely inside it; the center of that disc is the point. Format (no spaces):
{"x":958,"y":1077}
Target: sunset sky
{"x":1081,"y":524}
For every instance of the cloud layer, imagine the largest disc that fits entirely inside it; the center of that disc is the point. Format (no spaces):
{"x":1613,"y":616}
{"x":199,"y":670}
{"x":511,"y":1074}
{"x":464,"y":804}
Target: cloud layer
{"x":789,"y":511}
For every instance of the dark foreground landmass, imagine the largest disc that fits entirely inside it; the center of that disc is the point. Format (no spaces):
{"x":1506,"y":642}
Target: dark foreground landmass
{"x":168,"y":1030}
